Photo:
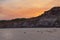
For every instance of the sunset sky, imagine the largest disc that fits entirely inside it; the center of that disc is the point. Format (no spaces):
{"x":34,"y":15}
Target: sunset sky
{"x":10,"y":9}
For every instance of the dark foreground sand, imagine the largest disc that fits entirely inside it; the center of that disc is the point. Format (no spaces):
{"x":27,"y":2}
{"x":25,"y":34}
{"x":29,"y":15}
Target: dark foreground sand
{"x":30,"y":34}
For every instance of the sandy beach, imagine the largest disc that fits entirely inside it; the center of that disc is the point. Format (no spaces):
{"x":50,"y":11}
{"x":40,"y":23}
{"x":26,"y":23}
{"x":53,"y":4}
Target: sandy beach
{"x":30,"y":34}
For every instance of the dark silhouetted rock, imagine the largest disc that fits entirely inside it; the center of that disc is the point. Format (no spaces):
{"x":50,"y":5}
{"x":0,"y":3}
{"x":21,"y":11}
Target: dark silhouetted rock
{"x":48,"y":19}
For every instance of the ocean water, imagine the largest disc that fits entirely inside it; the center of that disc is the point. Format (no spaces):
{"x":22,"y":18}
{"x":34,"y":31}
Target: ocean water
{"x":30,"y":34}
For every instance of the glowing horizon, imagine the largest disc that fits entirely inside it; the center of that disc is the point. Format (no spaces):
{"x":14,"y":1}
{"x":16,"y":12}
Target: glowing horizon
{"x":10,"y":9}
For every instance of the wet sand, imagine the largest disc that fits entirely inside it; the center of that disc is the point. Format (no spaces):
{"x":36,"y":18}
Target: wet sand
{"x":30,"y":34}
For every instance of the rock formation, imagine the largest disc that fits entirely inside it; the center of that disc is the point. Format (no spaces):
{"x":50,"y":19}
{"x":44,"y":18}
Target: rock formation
{"x":49,"y":19}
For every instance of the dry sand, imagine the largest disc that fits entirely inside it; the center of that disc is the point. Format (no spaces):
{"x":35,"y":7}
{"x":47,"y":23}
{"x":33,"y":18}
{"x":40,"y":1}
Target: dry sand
{"x":30,"y":34}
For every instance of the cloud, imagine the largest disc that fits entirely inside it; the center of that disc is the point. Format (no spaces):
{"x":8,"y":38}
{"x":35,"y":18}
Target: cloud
{"x":31,"y":12}
{"x":24,"y":8}
{"x":26,"y":3}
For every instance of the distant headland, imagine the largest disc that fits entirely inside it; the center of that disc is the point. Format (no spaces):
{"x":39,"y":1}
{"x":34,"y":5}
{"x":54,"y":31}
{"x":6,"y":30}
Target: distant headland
{"x":49,"y":19}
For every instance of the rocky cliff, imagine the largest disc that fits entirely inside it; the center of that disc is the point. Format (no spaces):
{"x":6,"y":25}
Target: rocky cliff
{"x":49,"y":19}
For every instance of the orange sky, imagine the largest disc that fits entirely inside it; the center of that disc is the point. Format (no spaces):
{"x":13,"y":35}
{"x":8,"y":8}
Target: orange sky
{"x":10,"y":9}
